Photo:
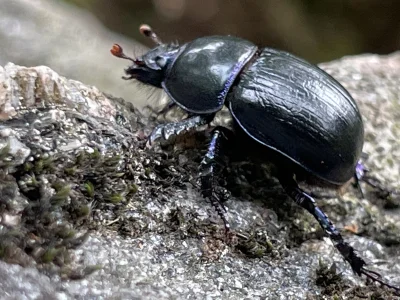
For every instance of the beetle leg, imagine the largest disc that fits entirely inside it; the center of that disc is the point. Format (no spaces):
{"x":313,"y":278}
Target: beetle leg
{"x":308,"y":203}
{"x":358,"y":176}
{"x":208,"y":168}
{"x":361,"y":174}
{"x":165,"y":131}
{"x":356,"y":262}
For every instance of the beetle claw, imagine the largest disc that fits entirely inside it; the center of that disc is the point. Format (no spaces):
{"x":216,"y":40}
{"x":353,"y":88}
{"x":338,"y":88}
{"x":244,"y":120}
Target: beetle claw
{"x":376,"y":277}
{"x":357,"y":263}
{"x":155,"y":134}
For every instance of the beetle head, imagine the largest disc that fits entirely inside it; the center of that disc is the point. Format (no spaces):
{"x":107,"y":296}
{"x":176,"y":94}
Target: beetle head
{"x":150,"y":67}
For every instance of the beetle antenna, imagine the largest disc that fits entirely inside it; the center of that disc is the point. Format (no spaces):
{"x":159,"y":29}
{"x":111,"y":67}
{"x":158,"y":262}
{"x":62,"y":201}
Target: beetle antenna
{"x":117,"y":51}
{"x":148,"y":32}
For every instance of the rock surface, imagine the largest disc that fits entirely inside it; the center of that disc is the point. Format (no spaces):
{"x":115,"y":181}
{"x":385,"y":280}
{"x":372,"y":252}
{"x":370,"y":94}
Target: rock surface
{"x":87,"y":212}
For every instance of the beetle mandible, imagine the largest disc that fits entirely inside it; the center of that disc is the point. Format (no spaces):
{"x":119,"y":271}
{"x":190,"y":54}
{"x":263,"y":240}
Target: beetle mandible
{"x":281,"y":102}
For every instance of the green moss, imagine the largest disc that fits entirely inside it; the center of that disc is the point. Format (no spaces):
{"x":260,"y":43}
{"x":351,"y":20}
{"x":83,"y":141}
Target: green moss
{"x":84,"y":210}
{"x":70,"y":171}
{"x":255,"y":247}
{"x":2,"y":250}
{"x":80,"y":273}
{"x":89,"y":188}
{"x":133,"y":188}
{"x":95,"y":154}
{"x":49,"y":255}
{"x":42,"y":165}
{"x":80,"y":158}
{"x":4,"y":151}
{"x":58,"y":186}
{"x":48,"y":164}
{"x":112,"y":161}
{"x":33,"y":182}
{"x":38,"y":166}
{"x":66,"y":232}
{"x":116,"y":198}
{"x":61,"y":196}
{"x":328,"y":279}
{"x":28,"y":166}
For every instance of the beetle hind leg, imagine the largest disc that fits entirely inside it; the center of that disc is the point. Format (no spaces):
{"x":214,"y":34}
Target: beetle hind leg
{"x":307,"y":202}
{"x":349,"y":254}
{"x":208,"y":168}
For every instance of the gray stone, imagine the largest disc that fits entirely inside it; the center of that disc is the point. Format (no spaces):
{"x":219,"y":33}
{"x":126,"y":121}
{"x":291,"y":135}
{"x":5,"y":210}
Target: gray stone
{"x":150,"y":231}
{"x":18,"y":283}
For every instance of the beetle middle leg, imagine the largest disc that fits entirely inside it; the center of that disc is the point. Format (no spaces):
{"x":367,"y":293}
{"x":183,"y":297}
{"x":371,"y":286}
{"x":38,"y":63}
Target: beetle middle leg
{"x":208,"y":168}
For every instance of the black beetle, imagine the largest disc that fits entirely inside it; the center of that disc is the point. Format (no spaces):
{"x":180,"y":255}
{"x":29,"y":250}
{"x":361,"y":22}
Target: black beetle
{"x":280,"y":101}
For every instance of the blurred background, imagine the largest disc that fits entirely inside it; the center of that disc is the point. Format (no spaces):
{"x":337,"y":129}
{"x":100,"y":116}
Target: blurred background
{"x":74,"y":36}
{"x":318,"y":30}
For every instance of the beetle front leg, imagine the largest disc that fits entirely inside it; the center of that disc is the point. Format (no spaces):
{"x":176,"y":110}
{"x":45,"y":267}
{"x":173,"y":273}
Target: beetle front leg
{"x":208,"y":168}
{"x":165,"y":131}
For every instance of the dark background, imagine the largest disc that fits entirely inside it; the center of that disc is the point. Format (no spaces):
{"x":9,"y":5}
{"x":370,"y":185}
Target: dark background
{"x":318,"y":30}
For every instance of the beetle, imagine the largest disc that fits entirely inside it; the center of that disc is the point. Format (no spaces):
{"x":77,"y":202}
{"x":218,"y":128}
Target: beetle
{"x":283,"y":104}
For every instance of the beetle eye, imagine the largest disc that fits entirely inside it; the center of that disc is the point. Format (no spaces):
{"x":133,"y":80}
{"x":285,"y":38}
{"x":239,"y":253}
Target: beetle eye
{"x":161,"y":61}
